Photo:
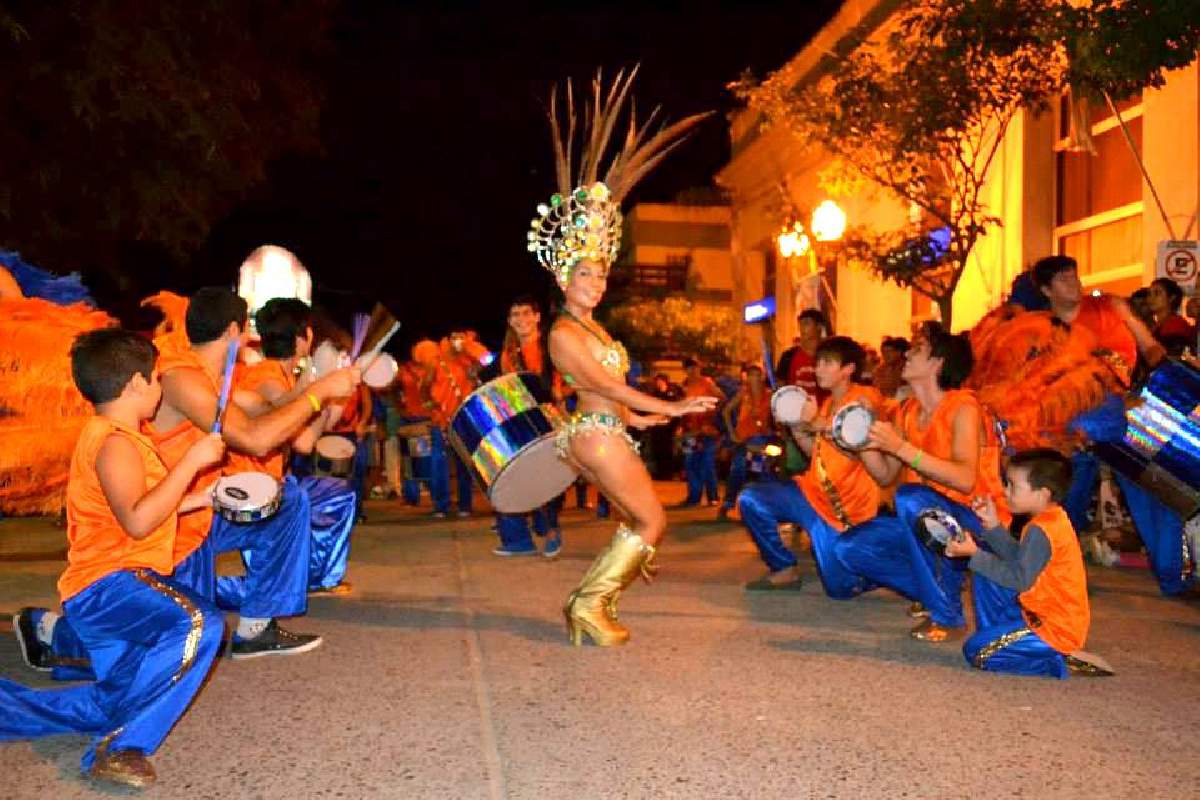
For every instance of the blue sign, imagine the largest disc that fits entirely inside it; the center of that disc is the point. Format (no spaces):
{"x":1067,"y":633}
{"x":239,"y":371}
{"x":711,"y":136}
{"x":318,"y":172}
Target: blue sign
{"x":759,"y":310}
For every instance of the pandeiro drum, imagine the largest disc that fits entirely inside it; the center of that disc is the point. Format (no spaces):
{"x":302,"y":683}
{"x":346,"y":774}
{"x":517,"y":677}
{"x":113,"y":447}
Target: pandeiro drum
{"x":247,"y":496}
{"x":787,"y":404}
{"x":851,"y":426}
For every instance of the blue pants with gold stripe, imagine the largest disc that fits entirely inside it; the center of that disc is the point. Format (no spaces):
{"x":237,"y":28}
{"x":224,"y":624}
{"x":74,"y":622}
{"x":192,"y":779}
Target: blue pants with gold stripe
{"x":886,"y":551}
{"x":151,"y":642}
{"x":764,"y":505}
{"x":1003,"y":640}
{"x":276,"y":552}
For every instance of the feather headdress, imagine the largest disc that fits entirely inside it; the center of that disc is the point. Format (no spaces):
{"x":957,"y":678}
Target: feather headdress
{"x":583,"y":218}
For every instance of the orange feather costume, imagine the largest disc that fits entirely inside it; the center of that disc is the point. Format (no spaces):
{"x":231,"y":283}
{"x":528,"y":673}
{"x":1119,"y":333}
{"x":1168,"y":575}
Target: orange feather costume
{"x":41,"y":411}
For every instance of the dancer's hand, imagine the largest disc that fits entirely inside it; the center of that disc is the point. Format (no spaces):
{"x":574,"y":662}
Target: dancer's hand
{"x":693,"y":405}
{"x":641,"y":422}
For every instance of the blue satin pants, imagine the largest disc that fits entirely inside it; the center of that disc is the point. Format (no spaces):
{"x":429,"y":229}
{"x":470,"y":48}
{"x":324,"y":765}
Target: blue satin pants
{"x":276,"y":553}
{"x":439,"y":482}
{"x":700,"y":468}
{"x":1003,"y":641}
{"x":739,"y":471}
{"x":764,"y":506}
{"x":151,"y":642}
{"x":514,"y":532}
{"x":886,"y":551}
{"x":1162,"y":532}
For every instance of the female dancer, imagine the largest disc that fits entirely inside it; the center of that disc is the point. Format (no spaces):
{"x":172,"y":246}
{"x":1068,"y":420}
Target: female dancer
{"x":576,"y":236}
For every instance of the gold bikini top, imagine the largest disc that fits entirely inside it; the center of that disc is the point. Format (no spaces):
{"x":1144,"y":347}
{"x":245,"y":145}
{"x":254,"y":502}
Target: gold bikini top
{"x":614,"y":359}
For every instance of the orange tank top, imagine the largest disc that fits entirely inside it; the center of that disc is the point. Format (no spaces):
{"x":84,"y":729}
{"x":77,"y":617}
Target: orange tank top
{"x":836,"y":483}
{"x":527,"y":359}
{"x":250,"y":379}
{"x":172,"y":444}
{"x":701,"y":424}
{"x":754,"y":416}
{"x":410,"y":385}
{"x":1098,"y":316}
{"x":937,"y":439}
{"x":451,"y":385}
{"x":97,"y":545}
{"x":1056,"y":606}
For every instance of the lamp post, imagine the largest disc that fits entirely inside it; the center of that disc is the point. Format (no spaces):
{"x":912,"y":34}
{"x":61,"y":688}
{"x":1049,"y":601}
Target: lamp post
{"x":828,"y":227}
{"x":270,"y":272}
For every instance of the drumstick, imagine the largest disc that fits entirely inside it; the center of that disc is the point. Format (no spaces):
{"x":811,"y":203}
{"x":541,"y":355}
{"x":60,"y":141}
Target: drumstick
{"x":374,"y":353}
{"x":226,"y":383}
{"x":770,"y":370}
{"x":361,"y":321}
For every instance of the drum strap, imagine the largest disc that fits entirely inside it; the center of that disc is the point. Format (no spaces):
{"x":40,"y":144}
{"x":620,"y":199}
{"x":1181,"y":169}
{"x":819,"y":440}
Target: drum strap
{"x":831,"y":491}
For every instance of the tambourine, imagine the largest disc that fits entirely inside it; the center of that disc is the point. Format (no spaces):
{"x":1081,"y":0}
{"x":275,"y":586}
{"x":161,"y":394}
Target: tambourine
{"x":937,"y":528}
{"x":851,"y":427}
{"x":247,"y":497}
{"x":787,"y":405}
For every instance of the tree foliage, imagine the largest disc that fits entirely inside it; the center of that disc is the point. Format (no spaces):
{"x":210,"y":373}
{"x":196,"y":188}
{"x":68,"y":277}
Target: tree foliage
{"x":136,"y":120}
{"x":921,"y":107}
{"x":675,"y":326}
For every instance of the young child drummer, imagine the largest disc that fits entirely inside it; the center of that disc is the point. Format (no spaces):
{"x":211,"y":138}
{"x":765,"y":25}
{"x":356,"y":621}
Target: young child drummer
{"x":1031,"y":603}
{"x":151,"y":640}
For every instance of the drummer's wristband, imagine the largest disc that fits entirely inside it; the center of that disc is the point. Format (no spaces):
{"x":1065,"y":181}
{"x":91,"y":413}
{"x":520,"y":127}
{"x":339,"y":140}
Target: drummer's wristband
{"x":916,"y":462}
{"x":312,"y":399}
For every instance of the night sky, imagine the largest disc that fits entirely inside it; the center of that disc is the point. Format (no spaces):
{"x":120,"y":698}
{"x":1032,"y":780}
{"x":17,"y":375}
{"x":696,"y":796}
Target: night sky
{"x":436,"y":148}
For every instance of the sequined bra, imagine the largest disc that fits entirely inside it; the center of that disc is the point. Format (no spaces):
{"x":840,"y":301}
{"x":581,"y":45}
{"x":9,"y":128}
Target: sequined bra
{"x":614,"y":359}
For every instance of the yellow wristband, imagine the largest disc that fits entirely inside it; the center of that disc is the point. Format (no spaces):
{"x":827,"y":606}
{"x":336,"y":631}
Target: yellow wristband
{"x":312,"y":399}
{"x":916,"y":462}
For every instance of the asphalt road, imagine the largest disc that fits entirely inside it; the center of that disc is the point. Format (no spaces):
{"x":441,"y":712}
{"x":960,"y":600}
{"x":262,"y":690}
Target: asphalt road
{"x":447,"y":674}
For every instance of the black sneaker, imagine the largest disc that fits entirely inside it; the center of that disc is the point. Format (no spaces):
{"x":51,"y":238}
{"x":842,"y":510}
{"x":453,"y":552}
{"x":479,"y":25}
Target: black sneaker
{"x":273,"y":641}
{"x":35,"y":654}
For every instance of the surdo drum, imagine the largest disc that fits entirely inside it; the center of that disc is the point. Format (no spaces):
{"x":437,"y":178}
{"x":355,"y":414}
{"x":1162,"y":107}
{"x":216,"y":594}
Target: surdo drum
{"x":247,"y":497}
{"x":505,"y":431}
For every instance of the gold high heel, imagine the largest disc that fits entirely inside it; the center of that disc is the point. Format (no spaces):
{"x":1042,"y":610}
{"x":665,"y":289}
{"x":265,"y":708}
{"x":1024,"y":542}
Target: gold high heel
{"x":591,"y":608}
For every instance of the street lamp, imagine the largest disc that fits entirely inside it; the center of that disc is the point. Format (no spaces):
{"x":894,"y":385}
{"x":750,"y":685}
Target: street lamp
{"x":270,"y":272}
{"x":792,"y":241}
{"x":828,"y":221}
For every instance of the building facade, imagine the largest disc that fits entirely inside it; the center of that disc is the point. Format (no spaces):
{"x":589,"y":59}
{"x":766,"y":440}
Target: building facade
{"x":1049,"y":197}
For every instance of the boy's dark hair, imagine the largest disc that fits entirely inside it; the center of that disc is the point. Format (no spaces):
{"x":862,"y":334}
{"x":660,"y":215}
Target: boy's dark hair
{"x":845,"y":351}
{"x":1046,"y":268}
{"x":688,"y":363}
{"x":1047,"y":469}
{"x":526,"y":300}
{"x":955,"y":351}
{"x":817,"y":316}
{"x":1174,"y":293}
{"x":280,"y":322}
{"x":897,"y":343}
{"x":210,"y":311}
{"x":103,"y":361}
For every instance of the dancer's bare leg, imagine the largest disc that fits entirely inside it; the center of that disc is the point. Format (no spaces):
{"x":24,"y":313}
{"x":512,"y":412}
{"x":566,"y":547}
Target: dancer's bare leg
{"x":620,"y":474}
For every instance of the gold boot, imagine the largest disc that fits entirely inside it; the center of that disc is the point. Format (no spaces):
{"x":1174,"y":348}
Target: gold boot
{"x":591,"y":608}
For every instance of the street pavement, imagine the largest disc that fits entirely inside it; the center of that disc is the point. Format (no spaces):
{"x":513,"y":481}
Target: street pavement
{"x":447,"y":674}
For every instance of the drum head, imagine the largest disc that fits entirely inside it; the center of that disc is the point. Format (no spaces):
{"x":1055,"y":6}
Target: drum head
{"x":532,"y":479}
{"x":246,"y":491}
{"x":335,"y":447}
{"x":380,"y":373}
{"x":936,"y":528}
{"x":787,"y":404}
{"x":326,"y":358}
{"x":852,"y":426}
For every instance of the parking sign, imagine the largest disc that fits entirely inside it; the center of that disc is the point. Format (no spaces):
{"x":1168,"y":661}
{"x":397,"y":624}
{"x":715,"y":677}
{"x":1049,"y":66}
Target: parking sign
{"x":1178,"y":261}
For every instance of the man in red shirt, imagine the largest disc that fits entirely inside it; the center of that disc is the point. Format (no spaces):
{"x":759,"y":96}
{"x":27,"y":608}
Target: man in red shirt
{"x":700,"y":437}
{"x":797,"y":365}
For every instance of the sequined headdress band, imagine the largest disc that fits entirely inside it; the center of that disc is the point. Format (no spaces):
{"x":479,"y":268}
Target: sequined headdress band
{"x":582,"y":220}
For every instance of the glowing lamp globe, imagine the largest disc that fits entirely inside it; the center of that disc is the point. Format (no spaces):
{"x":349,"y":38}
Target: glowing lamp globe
{"x":828,"y":222}
{"x":271,"y":272}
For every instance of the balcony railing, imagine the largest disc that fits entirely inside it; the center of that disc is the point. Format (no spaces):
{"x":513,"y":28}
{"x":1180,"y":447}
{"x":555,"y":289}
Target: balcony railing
{"x":649,"y":279}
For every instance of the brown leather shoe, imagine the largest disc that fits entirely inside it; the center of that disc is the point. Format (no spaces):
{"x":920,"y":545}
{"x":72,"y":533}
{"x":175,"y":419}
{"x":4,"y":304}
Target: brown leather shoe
{"x":918,"y":611}
{"x":124,"y":767}
{"x":930,"y":631}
